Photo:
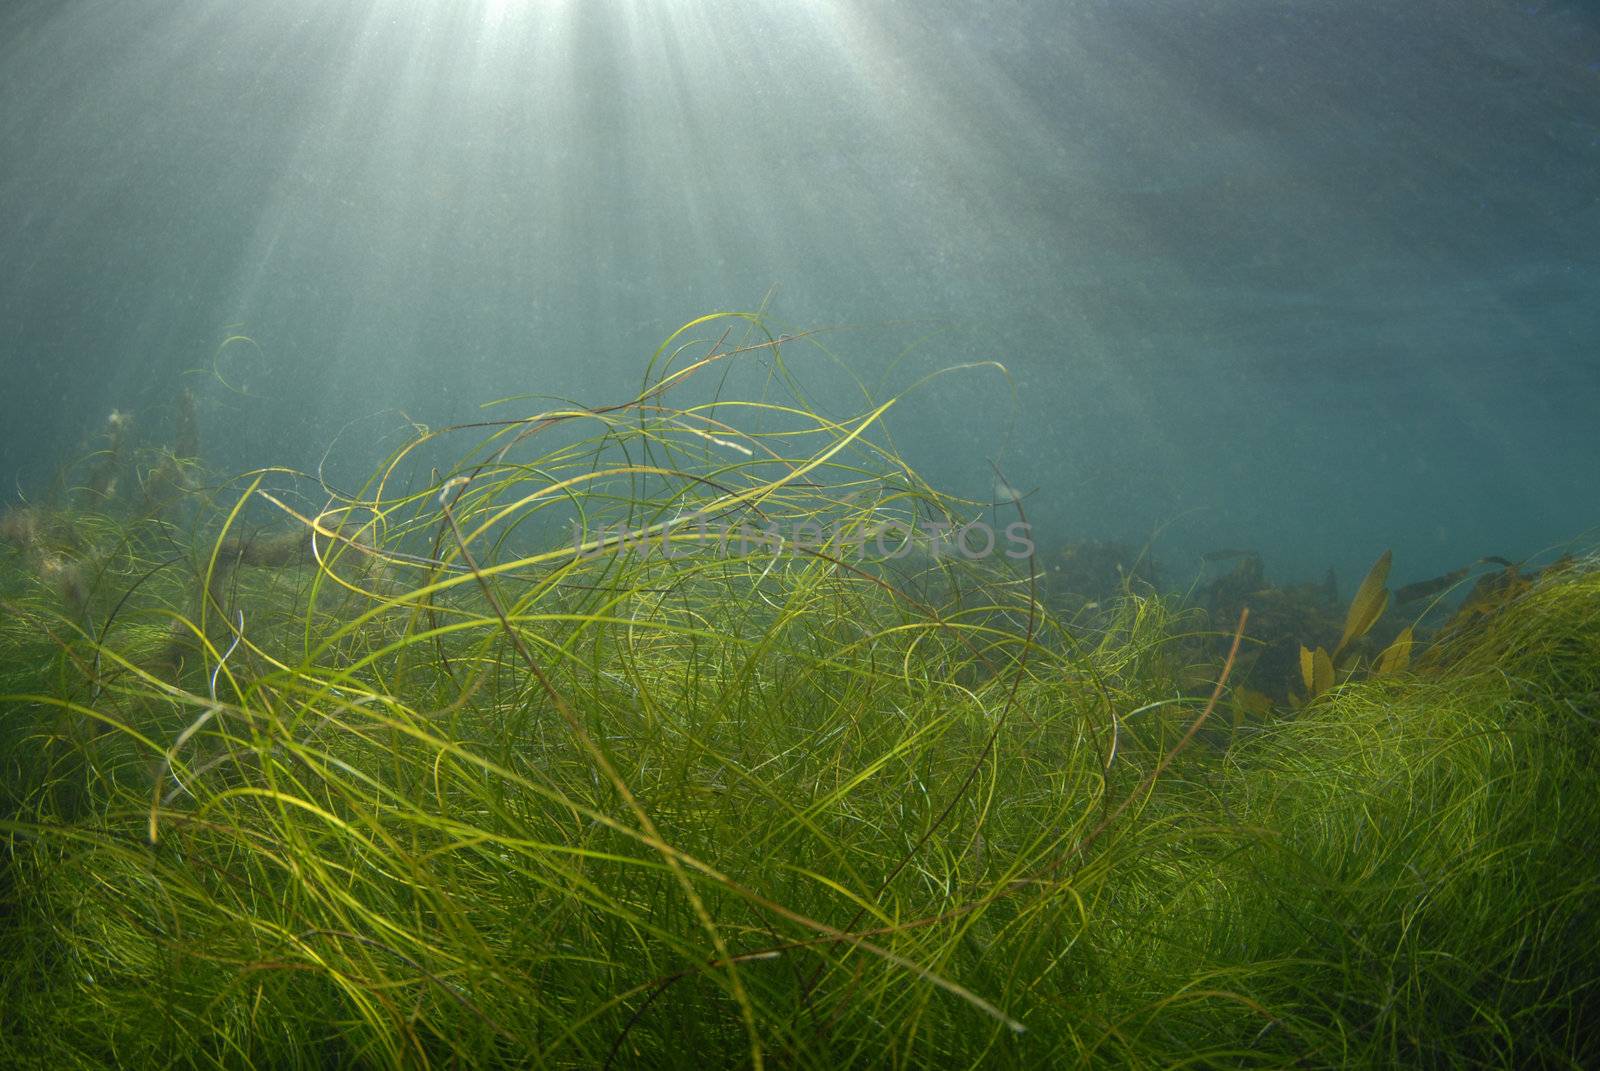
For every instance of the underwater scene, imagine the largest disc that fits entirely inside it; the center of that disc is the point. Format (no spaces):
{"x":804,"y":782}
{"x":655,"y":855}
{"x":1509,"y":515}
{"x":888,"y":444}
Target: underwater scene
{"x":799,"y":534}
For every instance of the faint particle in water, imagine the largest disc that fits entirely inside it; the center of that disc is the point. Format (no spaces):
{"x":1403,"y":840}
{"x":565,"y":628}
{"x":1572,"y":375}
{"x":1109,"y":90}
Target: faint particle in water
{"x":1004,"y":492}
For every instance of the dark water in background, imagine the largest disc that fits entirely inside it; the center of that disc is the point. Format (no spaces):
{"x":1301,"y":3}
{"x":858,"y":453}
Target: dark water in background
{"x":1317,"y":278}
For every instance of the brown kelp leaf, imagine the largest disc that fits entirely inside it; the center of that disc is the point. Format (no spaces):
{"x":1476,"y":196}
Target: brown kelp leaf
{"x":1368,"y":605}
{"x":1423,"y":588}
{"x":1316,"y":671}
{"x":1250,"y":705}
{"x":1323,"y":666}
{"x":1397,"y":656}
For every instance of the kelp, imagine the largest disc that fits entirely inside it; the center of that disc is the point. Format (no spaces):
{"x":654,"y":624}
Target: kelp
{"x":1371,"y":599}
{"x":1319,"y":669}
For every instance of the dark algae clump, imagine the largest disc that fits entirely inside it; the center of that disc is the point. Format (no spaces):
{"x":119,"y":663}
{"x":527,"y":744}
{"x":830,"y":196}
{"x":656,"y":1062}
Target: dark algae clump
{"x":603,"y":736}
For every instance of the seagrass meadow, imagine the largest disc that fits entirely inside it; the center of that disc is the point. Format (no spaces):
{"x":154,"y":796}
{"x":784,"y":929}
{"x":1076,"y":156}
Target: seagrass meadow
{"x":513,"y":756}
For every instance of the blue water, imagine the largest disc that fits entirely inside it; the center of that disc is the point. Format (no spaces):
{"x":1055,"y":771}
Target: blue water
{"x":1317,"y":279}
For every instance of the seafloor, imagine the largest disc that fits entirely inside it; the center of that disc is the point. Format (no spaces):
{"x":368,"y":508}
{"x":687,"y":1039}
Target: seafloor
{"x":399,"y":775}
